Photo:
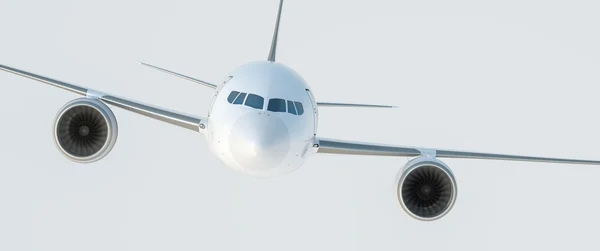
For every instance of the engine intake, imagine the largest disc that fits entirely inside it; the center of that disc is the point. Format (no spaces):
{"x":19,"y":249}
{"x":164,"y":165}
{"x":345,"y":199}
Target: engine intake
{"x":85,"y":130}
{"x":427,"y":189}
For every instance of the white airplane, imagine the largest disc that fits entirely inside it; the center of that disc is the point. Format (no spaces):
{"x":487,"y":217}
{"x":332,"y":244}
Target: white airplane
{"x":262,"y":121}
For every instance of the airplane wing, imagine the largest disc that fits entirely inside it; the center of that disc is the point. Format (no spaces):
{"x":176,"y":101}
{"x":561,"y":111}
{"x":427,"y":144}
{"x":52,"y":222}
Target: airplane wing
{"x":207,"y":84}
{"x":172,"y":117}
{"x":326,"y":104}
{"x":332,"y":146}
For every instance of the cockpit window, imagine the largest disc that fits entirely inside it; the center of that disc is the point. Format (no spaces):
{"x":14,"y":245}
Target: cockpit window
{"x":252,"y":100}
{"x":291,"y":107}
{"x":240,"y":99}
{"x":258,"y":102}
{"x":276,"y":105}
{"x":299,"y":108}
{"x":255,"y":101}
{"x":279,"y":105}
{"x":232,"y":96}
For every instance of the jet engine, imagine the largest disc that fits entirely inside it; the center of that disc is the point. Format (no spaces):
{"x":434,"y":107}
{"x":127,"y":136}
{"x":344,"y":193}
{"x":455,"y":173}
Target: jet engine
{"x":426,"y":189}
{"x":85,"y":130}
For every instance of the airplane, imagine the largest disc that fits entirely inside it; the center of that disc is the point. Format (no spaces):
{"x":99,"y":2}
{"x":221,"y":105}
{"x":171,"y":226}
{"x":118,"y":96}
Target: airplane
{"x":263,"y":121}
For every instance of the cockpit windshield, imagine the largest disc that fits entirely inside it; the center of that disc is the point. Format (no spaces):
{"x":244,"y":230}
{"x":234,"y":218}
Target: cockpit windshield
{"x":240,"y":99}
{"x":291,"y":107}
{"x":251,"y":100}
{"x":281,"y":105}
{"x":299,"y":108}
{"x":232,"y":96}
{"x":258,"y":102}
{"x":255,"y":101}
{"x":276,"y":105}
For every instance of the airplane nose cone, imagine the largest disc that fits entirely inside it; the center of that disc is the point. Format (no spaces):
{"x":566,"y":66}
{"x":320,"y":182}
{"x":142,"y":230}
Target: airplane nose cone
{"x":259,"y":142}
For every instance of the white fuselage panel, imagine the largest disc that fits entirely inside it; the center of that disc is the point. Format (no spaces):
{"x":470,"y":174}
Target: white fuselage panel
{"x":262,"y":141}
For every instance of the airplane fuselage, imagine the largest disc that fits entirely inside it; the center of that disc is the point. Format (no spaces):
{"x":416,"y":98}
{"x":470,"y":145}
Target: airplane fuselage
{"x":263,"y":119}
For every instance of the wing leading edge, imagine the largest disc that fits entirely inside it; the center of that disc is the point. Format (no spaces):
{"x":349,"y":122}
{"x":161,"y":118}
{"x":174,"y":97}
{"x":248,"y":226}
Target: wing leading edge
{"x":331,"y":146}
{"x":198,"y":81}
{"x":172,"y":117}
{"x":327,"y":104}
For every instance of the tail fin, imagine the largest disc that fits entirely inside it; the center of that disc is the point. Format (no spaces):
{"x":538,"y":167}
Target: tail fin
{"x":275,"y":34}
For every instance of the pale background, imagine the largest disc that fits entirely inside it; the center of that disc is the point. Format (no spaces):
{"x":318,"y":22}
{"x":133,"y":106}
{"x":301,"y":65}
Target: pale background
{"x":517,"y":77}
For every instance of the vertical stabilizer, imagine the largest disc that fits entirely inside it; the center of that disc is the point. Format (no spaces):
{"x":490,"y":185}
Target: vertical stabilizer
{"x":275,"y":34}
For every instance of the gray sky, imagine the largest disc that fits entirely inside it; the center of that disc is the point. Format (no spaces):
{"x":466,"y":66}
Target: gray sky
{"x":517,"y":77}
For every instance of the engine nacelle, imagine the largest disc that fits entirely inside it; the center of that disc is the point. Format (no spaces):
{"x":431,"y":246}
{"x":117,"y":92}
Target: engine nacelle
{"x":426,"y":189}
{"x":85,"y":130}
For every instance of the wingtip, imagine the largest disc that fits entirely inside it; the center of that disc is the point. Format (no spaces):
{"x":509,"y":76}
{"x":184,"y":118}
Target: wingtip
{"x":145,"y":64}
